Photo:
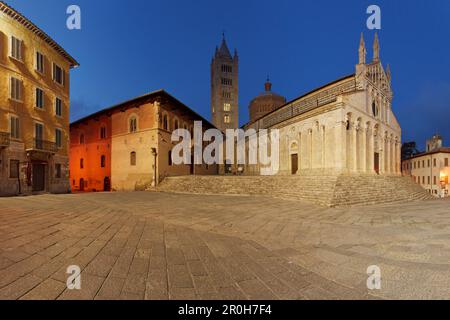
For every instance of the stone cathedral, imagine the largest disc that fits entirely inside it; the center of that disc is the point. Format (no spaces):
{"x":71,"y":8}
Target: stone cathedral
{"x":344,"y":127}
{"x":338,"y":144}
{"x":224,"y":88}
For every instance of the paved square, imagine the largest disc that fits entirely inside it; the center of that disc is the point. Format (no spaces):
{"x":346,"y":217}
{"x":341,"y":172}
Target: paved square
{"x":169,"y":246}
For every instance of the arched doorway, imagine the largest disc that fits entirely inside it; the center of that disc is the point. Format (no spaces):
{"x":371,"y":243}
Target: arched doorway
{"x":81,"y":184}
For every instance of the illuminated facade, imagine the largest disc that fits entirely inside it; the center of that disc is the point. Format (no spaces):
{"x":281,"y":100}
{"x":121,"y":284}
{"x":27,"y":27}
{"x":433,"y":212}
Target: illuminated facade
{"x":135,"y":145}
{"x":430,"y":169}
{"x":34,"y":108}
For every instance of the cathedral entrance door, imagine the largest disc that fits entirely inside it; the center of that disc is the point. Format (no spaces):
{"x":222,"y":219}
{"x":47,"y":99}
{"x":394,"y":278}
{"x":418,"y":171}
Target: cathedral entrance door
{"x":294,"y":163}
{"x":377,"y":163}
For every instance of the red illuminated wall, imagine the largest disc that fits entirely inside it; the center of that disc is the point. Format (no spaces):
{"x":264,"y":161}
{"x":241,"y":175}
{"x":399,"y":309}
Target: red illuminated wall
{"x":92,"y":176}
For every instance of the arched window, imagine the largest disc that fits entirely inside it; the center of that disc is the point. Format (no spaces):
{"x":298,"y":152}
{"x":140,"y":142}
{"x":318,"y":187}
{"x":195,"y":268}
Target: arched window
{"x":375,"y":109}
{"x":133,"y":124}
{"x":133,"y":158}
{"x":81,"y":163}
{"x":81,"y":138}
{"x":103,"y":161}
{"x":165,"y":122}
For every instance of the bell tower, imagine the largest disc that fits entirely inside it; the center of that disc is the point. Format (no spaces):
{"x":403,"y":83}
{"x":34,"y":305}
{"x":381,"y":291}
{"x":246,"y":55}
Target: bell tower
{"x":225,"y":88}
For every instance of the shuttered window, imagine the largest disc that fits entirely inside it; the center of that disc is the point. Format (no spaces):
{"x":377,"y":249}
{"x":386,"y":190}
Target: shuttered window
{"x":58,"y":74}
{"x":16,"y":89}
{"x":15,"y":128}
{"x":16,"y":48}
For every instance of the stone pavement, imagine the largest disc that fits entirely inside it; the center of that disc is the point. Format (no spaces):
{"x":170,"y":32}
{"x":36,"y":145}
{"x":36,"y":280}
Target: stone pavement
{"x":147,"y":245}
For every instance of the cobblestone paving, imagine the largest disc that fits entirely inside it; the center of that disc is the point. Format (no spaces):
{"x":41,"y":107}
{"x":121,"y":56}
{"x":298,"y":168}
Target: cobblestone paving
{"x":167,"y":246}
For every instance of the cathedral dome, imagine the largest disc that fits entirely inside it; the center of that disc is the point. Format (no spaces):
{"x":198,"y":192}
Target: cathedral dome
{"x":265,"y":102}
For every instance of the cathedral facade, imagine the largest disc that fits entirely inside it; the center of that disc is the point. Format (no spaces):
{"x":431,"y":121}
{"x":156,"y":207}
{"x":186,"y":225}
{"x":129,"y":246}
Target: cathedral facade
{"x":344,"y":127}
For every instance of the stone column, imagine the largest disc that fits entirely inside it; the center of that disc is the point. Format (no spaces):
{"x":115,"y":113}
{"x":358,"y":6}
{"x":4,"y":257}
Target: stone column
{"x":340,"y":146}
{"x":388,"y":155}
{"x":370,"y":151}
{"x":354,"y":131}
{"x":364,"y":149}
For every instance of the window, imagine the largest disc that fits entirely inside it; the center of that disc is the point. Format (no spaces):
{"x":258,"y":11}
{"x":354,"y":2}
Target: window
{"x":133,"y":124}
{"x":81,"y":163}
{"x":58,"y":107}
{"x":58,"y":74}
{"x":227,"y":82}
{"x":226,"y":95}
{"x":423,"y":180}
{"x":170,"y":158}
{"x":16,"y":89}
{"x":16,"y":48}
{"x":14,"y":169}
{"x":102,"y":161}
{"x":227,"y":107}
{"x":423,"y":163}
{"x":165,"y":123}
{"x":103,"y":133}
{"x":446,"y":162}
{"x":434,"y":162}
{"x":58,"y":138}
{"x":15,"y":127}
{"x":375,"y":109}
{"x":133,"y":158}
{"x":39,"y":98}
{"x":57,"y":170}
{"x":81,"y":138}
{"x":39,"y":62}
{"x":39,"y":131}
{"x":429,"y":180}
{"x":227,"y":68}
{"x":226,"y":119}
{"x":418,"y":163}
{"x":429,"y":163}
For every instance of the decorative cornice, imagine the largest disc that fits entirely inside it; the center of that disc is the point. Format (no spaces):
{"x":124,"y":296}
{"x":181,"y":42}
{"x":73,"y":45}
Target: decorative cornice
{"x":14,"y":14}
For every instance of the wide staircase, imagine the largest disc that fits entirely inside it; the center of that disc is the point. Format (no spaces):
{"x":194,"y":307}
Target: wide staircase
{"x":327,"y":190}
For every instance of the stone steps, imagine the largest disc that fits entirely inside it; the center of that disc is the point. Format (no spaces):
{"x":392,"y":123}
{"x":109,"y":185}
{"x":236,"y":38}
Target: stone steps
{"x":327,"y":190}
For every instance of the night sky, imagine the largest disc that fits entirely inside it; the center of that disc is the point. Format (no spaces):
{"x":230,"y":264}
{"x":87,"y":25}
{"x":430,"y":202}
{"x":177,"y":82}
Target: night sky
{"x":128,"y":48}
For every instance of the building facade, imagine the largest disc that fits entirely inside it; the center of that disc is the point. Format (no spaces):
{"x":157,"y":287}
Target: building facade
{"x":225,"y":88}
{"x":430,"y":169}
{"x":128,"y":147}
{"x":34,"y":108}
{"x":345,"y":127}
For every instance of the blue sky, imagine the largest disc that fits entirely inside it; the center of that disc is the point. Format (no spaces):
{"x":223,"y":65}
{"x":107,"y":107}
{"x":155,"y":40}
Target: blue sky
{"x":127,"y":48}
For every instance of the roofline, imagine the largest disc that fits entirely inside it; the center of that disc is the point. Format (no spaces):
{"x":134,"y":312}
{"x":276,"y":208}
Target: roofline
{"x":428,"y":153}
{"x":155,"y":93}
{"x":301,"y":97}
{"x":14,"y":14}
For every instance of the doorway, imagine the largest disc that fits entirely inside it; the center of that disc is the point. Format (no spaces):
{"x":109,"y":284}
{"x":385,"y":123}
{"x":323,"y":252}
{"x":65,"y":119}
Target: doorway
{"x":376,"y":162}
{"x":294,"y":163}
{"x":38,"y":177}
{"x":81,"y":184}
{"x":106,"y":184}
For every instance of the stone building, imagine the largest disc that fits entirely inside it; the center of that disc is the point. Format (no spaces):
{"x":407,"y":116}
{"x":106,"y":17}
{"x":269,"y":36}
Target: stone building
{"x":34,"y":108}
{"x":265,"y":102}
{"x":225,"y":88}
{"x":128,"y":146}
{"x":430,"y":169}
{"x":344,"y":127}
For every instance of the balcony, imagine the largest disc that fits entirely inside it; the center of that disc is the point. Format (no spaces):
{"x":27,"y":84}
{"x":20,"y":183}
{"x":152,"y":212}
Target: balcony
{"x":42,"y":146}
{"x":5,"y":139}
